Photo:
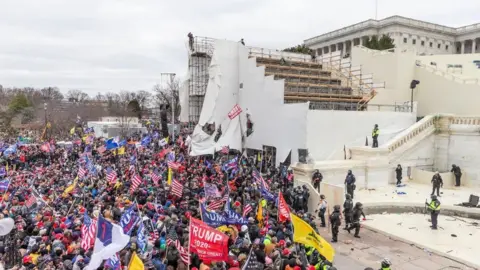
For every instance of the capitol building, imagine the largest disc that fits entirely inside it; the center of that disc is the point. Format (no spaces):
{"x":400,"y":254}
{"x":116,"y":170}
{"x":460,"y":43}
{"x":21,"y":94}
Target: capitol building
{"x":424,"y":37}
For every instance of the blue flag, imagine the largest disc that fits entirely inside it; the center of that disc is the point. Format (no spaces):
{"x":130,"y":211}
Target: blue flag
{"x":141,"y":238}
{"x":128,"y":220}
{"x":212,"y":219}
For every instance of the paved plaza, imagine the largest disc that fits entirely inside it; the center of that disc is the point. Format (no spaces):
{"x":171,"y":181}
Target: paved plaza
{"x":357,"y":254}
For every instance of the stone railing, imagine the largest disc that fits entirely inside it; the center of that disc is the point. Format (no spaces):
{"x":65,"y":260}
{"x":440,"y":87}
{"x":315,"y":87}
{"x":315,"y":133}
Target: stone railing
{"x":448,"y":75}
{"x":428,"y":125}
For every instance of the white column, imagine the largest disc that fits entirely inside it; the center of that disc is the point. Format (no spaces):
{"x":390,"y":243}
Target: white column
{"x":462,"y":50}
{"x":344,"y":48}
{"x":362,"y":40}
{"x":474,"y":44}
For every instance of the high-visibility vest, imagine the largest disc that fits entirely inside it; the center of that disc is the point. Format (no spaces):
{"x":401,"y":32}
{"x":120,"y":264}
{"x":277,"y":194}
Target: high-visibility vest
{"x":375,"y":132}
{"x":433,"y":206}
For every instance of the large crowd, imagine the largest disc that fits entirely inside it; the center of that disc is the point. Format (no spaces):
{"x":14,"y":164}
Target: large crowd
{"x":57,"y":192}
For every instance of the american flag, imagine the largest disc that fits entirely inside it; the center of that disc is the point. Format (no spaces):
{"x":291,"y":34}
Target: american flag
{"x":153,"y":236}
{"x":177,"y":188}
{"x":247,"y":209}
{"x":89,"y":230}
{"x":31,"y":201}
{"x":217,"y":204}
{"x":156,"y":177}
{"x":173,"y":165}
{"x":136,"y":181}
{"x":111,"y":175}
{"x":172,"y":238}
{"x":225,"y":150}
{"x":131,"y":169}
{"x":236,"y":110}
{"x":81,"y":172}
{"x":256,"y":175}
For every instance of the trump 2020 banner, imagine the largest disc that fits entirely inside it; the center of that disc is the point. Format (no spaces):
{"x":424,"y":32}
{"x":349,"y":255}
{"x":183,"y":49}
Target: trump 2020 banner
{"x":207,"y":242}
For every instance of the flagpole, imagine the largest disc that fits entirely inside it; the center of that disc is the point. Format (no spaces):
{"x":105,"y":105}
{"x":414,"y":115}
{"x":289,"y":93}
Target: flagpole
{"x":190,"y":241}
{"x":376,"y":9}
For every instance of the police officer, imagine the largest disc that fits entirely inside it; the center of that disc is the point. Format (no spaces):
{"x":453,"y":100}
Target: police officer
{"x":348,"y":210}
{"x":437,"y":182}
{"x":398,"y":172}
{"x":335,"y":221}
{"x":434,"y":208}
{"x":322,"y":208}
{"x":375,"y":133}
{"x":386,"y":264}
{"x":457,"y":173}
{"x":357,"y":213}
{"x":317,"y":178}
{"x":350,"y":183}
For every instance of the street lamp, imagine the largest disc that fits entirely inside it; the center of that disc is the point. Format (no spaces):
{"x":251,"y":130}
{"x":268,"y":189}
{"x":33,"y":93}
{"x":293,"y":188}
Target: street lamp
{"x":172,"y":77}
{"x":413,"y":84}
{"x":45,"y":110}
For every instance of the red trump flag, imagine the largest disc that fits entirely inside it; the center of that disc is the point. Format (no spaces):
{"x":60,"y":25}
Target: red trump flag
{"x":283,"y":210}
{"x":208,"y":243}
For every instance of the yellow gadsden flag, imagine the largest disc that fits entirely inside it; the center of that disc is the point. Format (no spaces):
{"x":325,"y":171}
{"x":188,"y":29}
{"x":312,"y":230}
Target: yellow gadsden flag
{"x":304,"y":234}
{"x":135,"y":263}
{"x":71,"y":187}
{"x":260,"y":214}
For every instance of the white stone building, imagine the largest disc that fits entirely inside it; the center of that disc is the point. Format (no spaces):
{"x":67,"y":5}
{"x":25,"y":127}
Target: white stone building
{"x":424,"y":37}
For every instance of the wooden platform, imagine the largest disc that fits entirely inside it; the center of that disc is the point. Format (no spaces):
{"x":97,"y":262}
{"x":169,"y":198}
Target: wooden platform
{"x":331,"y":98}
{"x":300,"y":76}
{"x":314,"y":85}
{"x":299,"y":69}
{"x":288,"y":62}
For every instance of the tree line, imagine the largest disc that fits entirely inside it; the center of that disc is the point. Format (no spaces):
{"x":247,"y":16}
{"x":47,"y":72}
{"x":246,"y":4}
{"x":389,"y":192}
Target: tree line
{"x":28,"y":106}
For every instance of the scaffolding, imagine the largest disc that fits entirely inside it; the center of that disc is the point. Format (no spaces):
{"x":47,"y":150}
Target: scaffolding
{"x":200,"y":53}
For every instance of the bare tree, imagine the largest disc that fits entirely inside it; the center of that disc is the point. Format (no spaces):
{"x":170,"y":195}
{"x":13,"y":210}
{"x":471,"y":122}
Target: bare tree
{"x":51,"y":93}
{"x":77,"y":96}
{"x":163,"y":96}
{"x":143,"y":98}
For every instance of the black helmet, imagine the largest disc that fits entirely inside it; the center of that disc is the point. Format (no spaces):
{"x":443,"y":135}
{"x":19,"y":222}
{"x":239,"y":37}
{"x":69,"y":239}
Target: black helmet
{"x":386,"y":263}
{"x":336,"y":208}
{"x":358,"y":205}
{"x":434,"y":197}
{"x":348,"y":196}
{"x":349,"y":171}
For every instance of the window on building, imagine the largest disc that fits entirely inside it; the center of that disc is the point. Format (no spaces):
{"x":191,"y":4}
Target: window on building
{"x":438,"y":46}
{"x":446,"y":47}
{"x":431,"y":44}
{"x":404,"y":40}
{"x":414,"y":41}
{"x":422,"y":43}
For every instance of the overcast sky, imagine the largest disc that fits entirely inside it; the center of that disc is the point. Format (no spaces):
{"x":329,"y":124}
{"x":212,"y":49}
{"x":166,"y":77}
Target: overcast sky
{"x":113,"y":45}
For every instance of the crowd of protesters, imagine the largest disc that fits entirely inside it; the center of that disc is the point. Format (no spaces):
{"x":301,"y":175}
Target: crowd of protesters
{"x":150,"y":186}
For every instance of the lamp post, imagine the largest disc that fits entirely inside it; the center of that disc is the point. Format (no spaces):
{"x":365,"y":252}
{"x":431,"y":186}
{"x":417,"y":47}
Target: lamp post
{"x":45,"y":110}
{"x":172,"y":78}
{"x":413,"y":84}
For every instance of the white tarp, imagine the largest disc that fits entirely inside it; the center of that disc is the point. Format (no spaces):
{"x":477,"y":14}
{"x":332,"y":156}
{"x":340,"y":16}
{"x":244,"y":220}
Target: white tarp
{"x":235,"y":79}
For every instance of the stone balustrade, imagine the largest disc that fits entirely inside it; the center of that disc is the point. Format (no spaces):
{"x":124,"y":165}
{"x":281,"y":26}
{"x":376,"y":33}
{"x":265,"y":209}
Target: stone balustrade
{"x":428,"y":125}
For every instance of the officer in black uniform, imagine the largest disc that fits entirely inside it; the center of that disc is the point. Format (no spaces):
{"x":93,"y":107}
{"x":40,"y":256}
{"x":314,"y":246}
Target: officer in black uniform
{"x":357,"y":213}
{"x":348,"y":210}
{"x":335,"y":221}
{"x":350,"y":183}
{"x":457,"y":173}
{"x":437,"y":182}
{"x":317,"y":178}
{"x":434,"y":208}
{"x":398,"y":172}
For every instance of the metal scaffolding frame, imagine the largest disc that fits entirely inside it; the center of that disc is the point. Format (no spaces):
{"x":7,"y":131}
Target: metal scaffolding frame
{"x":200,"y":53}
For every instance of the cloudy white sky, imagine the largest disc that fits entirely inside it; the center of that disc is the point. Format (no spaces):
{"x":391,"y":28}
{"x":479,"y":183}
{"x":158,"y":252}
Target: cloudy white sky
{"x":113,"y":45}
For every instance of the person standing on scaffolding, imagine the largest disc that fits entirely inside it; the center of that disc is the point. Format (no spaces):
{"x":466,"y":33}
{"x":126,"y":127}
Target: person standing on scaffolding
{"x":190,"y":41}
